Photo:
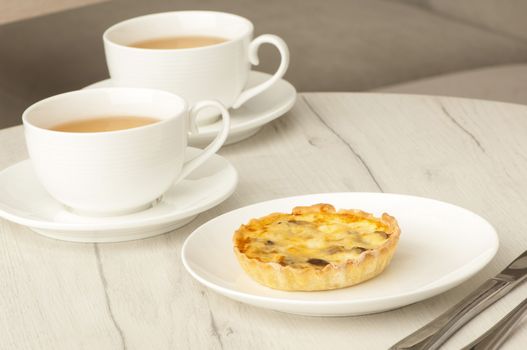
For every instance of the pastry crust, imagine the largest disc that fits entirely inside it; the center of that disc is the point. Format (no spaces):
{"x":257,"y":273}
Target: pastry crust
{"x":322,"y":223}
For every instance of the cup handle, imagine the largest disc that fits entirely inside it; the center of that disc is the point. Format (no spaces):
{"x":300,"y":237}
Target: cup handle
{"x":253,"y":58}
{"x":215,"y":145}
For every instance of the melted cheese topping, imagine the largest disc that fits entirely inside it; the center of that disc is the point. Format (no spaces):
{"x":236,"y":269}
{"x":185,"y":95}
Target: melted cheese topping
{"x":311,"y":239}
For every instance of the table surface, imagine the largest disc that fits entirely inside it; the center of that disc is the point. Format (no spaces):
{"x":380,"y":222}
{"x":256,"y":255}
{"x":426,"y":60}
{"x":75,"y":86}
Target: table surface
{"x":137,"y":295}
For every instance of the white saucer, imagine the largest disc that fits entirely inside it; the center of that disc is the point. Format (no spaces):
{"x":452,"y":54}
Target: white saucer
{"x":248,"y":119}
{"x":23,"y":200}
{"x":441,"y":245}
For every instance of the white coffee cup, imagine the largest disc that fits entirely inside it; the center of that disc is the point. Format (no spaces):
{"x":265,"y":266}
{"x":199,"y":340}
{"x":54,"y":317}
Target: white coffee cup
{"x":218,"y":72}
{"x":114,"y":172}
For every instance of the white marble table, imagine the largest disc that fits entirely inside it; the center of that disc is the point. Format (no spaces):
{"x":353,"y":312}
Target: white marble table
{"x":136,"y":295}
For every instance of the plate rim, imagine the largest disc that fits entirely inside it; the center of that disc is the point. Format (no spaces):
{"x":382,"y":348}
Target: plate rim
{"x":148,"y":221}
{"x":474,"y":266}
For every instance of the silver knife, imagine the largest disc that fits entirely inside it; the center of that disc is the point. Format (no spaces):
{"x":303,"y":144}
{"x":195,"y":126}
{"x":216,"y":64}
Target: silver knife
{"x":494,"y":337}
{"x":435,"y":333}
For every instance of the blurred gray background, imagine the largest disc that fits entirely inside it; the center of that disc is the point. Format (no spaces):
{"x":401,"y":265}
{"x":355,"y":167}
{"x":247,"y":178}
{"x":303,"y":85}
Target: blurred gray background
{"x":470,"y":48}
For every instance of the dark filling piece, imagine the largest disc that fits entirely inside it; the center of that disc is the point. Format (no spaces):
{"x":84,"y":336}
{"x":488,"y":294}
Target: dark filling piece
{"x":299,"y":222}
{"x":318,"y":262}
{"x":382,"y":234}
{"x":359,"y":249}
{"x":335,"y":249}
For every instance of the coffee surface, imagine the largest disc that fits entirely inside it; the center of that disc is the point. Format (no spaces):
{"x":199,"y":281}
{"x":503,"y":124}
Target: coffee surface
{"x":101,"y":124}
{"x":178,"y":42}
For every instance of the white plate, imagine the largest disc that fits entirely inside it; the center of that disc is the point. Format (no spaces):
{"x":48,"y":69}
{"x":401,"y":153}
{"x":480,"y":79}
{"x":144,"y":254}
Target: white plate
{"x":248,"y":119}
{"x":23,"y":200}
{"x":441,"y":245}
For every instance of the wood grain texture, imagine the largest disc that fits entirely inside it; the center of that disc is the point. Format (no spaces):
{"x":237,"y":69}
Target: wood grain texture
{"x":136,"y":295}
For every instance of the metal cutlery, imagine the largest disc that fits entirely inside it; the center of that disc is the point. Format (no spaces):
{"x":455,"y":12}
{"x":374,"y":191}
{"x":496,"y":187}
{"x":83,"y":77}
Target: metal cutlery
{"x":495,"y":336}
{"x":435,"y":333}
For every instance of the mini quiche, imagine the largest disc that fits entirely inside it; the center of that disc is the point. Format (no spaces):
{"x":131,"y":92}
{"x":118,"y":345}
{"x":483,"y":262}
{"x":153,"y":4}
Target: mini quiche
{"x":316,"y":247}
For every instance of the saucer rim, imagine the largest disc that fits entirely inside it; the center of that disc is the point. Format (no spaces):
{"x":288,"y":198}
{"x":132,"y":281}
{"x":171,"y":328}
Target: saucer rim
{"x":246,"y":125}
{"x":122,"y":225}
